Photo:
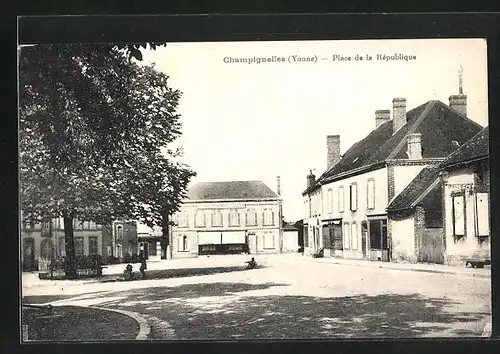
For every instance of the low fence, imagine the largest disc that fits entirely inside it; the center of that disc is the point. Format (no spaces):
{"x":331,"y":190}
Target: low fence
{"x":86,"y":266}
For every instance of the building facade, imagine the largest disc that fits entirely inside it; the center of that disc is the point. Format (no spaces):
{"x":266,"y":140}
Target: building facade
{"x":41,"y":242}
{"x":465,"y":181}
{"x":227,"y":217}
{"x":345,"y":209}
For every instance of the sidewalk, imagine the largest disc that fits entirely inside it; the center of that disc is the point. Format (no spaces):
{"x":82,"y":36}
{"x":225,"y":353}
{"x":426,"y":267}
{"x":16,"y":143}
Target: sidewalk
{"x":416,"y":267}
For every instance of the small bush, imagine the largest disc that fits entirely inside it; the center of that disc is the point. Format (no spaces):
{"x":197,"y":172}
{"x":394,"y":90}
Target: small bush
{"x":112,"y":260}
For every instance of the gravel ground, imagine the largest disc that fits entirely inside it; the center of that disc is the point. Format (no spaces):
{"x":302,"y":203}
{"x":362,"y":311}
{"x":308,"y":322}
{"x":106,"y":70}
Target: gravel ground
{"x":290,"y":299}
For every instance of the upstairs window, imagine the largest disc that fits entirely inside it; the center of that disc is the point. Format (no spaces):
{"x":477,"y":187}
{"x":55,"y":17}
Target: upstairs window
{"x":353,"y":197}
{"x":217,"y":218}
{"x":183,"y":219}
{"x":234,"y":217}
{"x":341,"y":199}
{"x":251,"y":218}
{"x":330,"y":201}
{"x":370,"y":194}
{"x":200,"y":218}
{"x":268,"y":217}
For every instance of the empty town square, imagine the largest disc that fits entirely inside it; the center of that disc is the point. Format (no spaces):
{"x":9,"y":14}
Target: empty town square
{"x":164,"y":198}
{"x":286,"y":297}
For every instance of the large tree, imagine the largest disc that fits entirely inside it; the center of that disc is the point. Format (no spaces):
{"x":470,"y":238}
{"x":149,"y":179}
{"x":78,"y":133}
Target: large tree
{"x":93,"y":125}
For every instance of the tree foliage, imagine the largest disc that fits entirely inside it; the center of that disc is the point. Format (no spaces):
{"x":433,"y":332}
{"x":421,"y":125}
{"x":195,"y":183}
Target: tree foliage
{"x":94,"y":134}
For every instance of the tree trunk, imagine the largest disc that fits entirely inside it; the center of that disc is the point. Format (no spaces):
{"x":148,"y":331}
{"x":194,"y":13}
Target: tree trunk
{"x":165,"y":232}
{"x":69,"y":246}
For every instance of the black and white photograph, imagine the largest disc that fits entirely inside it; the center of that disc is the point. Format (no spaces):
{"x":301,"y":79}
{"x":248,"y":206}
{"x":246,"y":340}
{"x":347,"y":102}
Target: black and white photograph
{"x":254,"y":190}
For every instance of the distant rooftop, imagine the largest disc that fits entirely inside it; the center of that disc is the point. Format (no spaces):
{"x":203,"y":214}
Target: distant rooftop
{"x":231,"y":190}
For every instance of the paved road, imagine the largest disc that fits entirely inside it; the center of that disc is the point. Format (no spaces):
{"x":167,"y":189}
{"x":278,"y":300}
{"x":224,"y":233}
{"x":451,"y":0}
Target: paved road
{"x":292,"y":299}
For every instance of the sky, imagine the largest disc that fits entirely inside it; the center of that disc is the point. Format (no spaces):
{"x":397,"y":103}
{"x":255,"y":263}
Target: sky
{"x":249,"y":121}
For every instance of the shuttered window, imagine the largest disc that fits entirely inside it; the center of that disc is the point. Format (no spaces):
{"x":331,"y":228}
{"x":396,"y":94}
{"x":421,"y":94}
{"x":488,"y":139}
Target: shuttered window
{"x":370,"y":193}
{"x":330,"y":201}
{"x":482,"y":214}
{"x":353,"y":197}
{"x":458,"y":211}
{"x":341,"y":199}
{"x":347,"y":238}
{"x":354,"y":236}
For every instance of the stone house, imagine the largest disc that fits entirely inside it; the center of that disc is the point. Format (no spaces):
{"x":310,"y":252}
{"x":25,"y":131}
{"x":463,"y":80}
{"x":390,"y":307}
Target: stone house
{"x":345,"y":209}
{"x":416,"y":216}
{"x":465,"y":182}
{"x":41,"y":242}
{"x":227,"y":217}
{"x":448,"y":207}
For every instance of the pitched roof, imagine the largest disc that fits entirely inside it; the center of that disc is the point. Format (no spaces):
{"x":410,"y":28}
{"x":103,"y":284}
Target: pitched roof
{"x":425,"y":181}
{"x":232,"y":190}
{"x":438,"y":123}
{"x":475,"y":148}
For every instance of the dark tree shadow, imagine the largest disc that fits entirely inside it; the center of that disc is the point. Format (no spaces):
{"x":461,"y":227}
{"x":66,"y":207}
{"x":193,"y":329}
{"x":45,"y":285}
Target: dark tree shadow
{"x":42,"y":299}
{"x":176,"y":273}
{"x":299,"y":317}
{"x":188,"y":291}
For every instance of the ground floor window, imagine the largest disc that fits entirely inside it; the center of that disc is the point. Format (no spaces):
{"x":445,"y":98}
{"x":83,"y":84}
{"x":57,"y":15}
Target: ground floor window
{"x":93,"y":245}
{"x":354,"y":236}
{"x":458,"y":216}
{"x":182,"y":243}
{"x":269,"y":240}
{"x":482,"y":214}
{"x":79,"y":251}
{"x":347,"y":236}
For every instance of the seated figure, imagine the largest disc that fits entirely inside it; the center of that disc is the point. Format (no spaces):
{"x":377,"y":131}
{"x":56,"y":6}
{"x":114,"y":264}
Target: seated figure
{"x":251,"y":264}
{"x":128,"y":274}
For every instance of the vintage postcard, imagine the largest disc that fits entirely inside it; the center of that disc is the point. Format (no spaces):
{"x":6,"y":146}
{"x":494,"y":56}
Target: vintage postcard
{"x":254,"y":190}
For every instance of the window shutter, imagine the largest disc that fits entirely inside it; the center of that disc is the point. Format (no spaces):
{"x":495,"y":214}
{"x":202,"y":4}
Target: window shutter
{"x":482,"y":214}
{"x":458,"y":216}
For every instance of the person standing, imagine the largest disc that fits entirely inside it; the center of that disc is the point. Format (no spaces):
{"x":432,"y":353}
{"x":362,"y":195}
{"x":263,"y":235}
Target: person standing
{"x":144,"y":266}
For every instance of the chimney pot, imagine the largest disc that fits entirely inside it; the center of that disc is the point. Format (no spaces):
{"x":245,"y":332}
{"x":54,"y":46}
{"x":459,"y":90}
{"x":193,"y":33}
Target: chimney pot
{"x":414,"y":142}
{"x":459,"y":103}
{"x":333,"y":150}
{"x":278,"y":185}
{"x":382,"y":116}
{"x":311,"y":178}
{"x":398,"y":113}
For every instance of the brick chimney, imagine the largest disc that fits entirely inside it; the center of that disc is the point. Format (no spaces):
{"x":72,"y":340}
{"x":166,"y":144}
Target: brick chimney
{"x":382,"y":116}
{"x":459,"y":102}
{"x":311,"y":178}
{"x":333,"y":150}
{"x":278,"y":185}
{"x":398,"y":113}
{"x":414,"y":146}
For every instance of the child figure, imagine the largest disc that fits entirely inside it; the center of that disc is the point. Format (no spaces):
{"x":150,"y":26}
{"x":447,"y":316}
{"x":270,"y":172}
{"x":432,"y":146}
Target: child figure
{"x":128,"y":274}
